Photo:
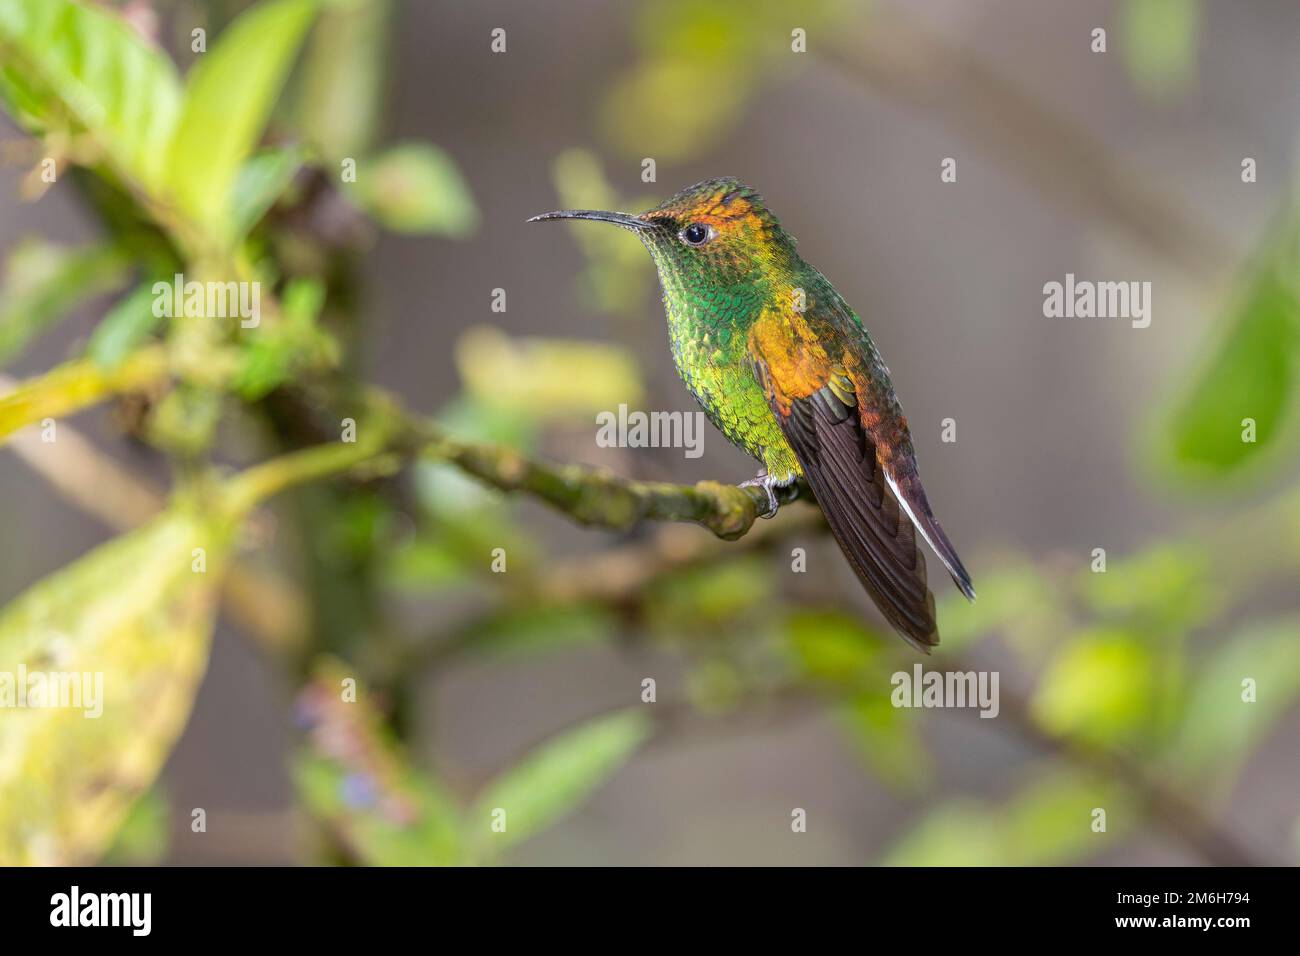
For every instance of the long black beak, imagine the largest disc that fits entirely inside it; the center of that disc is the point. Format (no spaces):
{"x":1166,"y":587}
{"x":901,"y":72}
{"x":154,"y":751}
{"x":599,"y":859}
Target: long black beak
{"x":617,"y":218}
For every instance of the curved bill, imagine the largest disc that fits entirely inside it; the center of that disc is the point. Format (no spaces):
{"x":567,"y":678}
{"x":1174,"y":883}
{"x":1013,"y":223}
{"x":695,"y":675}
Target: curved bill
{"x":617,"y":218}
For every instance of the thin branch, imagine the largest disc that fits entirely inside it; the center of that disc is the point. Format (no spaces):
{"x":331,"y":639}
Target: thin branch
{"x":593,"y":496}
{"x":590,"y":496}
{"x":612,"y":575}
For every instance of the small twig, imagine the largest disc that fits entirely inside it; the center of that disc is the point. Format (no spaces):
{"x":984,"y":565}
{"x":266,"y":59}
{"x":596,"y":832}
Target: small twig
{"x":613,"y":574}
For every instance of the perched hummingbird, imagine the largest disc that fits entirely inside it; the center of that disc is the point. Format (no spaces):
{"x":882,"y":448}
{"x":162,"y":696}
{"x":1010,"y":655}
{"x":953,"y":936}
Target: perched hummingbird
{"x":784,"y":368}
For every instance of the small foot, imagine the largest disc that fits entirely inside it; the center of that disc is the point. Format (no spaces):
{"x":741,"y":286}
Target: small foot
{"x":765,"y":482}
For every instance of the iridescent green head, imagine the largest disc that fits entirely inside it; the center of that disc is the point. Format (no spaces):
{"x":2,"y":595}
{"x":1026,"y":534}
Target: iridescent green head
{"x":714,"y":241}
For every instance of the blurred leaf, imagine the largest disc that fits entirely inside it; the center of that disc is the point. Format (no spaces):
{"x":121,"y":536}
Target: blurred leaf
{"x":698,"y":598}
{"x":833,"y":646}
{"x":715,"y":686}
{"x":546,"y":379}
{"x":416,"y":188}
{"x":143,"y":837}
{"x":1050,"y":820}
{"x":75,"y":385}
{"x":1219,"y":730}
{"x":1251,"y":373}
{"x":78,"y":66}
{"x":123,"y":329}
{"x":1170,"y":588}
{"x":839,"y":649}
{"x":553,"y":780}
{"x":617,"y":276}
{"x":956,"y":833}
{"x":340,"y":94}
{"x":886,"y":737}
{"x":1160,"y":43}
{"x":353,"y":777}
{"x":261,"y":181}
{"x":185,"y":419}
{"x":700,"y":65}
{"x":228,"y":99}
{"x":134,"y":620}
{"x":1100,"y":686}
{"x":535,"y":630}
{"x":44,"y":282}
{"x":273,"y":356}
{"x":472,"y":518}
{"x":426,"y":564}
{"x":664,"y":96}
{"x":689,"y":48}
{"x":1047,"y":822}
{"x":471,"y":513}
{"x":1016,"y":601}
{"x":347,"y":803}
{"x":474,"y":418}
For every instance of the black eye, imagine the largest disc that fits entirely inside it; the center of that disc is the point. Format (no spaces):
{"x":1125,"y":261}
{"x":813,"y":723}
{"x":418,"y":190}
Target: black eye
{"x":697,"y":234}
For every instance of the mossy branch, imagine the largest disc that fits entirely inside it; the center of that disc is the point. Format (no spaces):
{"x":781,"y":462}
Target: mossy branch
{"x":590,"y":496}
{"x":593,"y":496}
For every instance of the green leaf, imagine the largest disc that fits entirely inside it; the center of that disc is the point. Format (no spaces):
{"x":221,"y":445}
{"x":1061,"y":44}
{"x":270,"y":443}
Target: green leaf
{"x":1160,"y":42}
{"x":1167,"y":588}
{"x":76,"y":385}
{"x":546,"y":379}
{"x":128,"y":626}
{"x":1252,"y":373}
{"x":228,"y":99}
{"x":615,"y":279}
{"x":956,"y":833}
{"x":76,"y":67}
{"x":834,"y":646}
{"x":1100,"y":686}
{"x":143,"y":837}
{"x":1219,"y":729}
{"x":125,"y":327}
{"x":415,"y":188}
{"x":555,"y":779}
{"x":283,"y":347}
{"x":696,"y":598}
{"x":1049,"y":821}
{"x":341,"y":89}
{"x":375,"y":831}
{"x":838,"y":648}
{"x":261,"y":181}
{"x":44,"y":282}
{"x":886,"y":737}
{"x":537,"y":630}
{"x":1016,"y":601}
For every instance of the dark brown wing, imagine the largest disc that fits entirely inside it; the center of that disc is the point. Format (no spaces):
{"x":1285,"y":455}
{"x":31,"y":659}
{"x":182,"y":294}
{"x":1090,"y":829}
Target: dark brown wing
{"x":839,"y":463}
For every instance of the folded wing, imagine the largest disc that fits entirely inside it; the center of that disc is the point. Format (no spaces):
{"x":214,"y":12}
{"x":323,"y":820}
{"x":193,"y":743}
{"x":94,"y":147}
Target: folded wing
{"x":839,"y":462}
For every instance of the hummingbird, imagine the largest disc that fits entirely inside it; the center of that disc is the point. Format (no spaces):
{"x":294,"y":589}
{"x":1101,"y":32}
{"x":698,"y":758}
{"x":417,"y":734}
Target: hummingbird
{"x":788,"y":373}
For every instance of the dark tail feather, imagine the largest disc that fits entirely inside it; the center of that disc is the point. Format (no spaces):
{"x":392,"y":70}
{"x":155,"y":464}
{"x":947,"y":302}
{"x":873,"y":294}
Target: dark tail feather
{"x":912,"y":496}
